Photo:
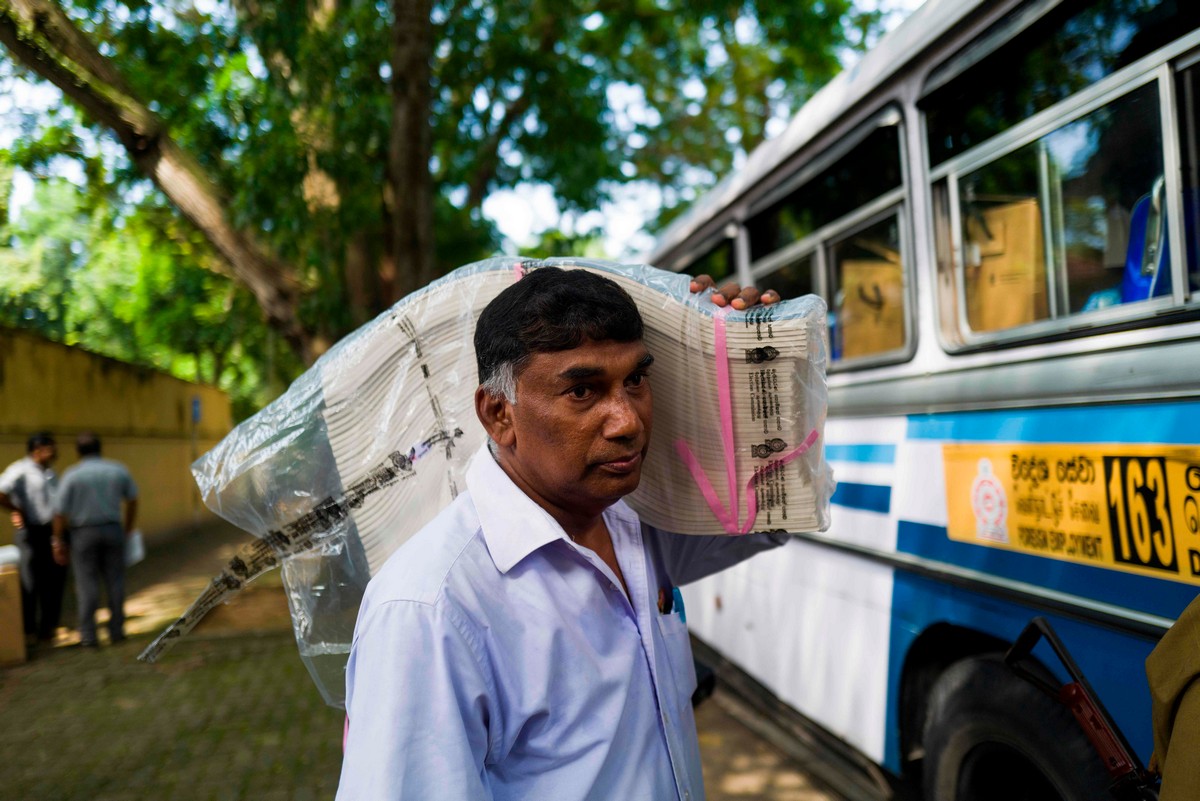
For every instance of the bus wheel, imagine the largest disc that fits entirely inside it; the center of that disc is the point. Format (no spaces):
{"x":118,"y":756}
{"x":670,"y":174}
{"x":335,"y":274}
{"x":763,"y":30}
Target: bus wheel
{"x":989,"y":736}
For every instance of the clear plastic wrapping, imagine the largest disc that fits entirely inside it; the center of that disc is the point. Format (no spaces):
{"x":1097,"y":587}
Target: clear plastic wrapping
{"x":373,"y":441}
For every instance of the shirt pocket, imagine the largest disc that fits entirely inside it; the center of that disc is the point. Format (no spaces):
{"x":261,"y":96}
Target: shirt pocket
{"x":678,"y":656}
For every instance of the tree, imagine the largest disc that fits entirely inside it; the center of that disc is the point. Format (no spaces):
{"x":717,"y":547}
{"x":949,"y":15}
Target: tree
{"x":79,"y":271}
{"x":335,"y":154}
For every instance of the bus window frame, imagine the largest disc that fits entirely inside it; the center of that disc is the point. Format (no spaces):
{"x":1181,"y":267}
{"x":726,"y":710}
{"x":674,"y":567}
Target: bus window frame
{"x":727,"y":234}
{"x":893,"y":202}
{"x":996,"y":35}
{"x":1160,"y":68}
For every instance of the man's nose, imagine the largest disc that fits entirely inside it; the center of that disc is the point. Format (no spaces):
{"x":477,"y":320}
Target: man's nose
{"x":623,"y":420}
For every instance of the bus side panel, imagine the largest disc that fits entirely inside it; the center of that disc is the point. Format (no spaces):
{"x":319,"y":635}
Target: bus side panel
{"x":809,"y":622}
{"x":812,"y":625}
{"x":1111,"y":661}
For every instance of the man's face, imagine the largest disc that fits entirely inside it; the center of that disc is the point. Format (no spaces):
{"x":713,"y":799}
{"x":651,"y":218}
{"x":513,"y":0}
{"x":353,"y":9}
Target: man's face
{"x":581,"y":425}
{"x":45,"y":454}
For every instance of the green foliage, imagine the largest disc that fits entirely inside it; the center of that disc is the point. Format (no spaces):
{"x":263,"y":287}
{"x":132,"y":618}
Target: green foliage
{"x":554,"y":243}
{"x":132,"y":288}
{"x":287,"y":107}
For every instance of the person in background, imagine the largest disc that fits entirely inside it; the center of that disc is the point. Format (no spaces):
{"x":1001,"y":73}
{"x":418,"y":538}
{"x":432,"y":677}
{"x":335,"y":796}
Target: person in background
{"x":1173,"y":671}
{"x":26,"y":488}
{"x":88,"y":505}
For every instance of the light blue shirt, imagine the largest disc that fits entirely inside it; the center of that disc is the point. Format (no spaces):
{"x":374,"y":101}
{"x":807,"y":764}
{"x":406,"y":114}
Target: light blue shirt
{"x":495,"y":659}
{"x":91,"y":492}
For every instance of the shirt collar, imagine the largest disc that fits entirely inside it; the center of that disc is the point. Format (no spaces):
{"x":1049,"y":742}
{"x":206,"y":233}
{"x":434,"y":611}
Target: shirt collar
{"x":513,"y":525}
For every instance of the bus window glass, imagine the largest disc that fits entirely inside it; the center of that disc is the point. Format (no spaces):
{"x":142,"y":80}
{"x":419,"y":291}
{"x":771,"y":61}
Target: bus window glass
{"x":792,"y":280}
{"x":1070,"y":48}
{"x":866,"y":316}
{"x":1070,"y":223}
{"x":1188,"y":102}
{"x":868,"y":171}
{"x":718,"y":263}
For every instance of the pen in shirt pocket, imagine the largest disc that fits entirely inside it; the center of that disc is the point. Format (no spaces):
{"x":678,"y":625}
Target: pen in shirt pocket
{"x":670,"y":599}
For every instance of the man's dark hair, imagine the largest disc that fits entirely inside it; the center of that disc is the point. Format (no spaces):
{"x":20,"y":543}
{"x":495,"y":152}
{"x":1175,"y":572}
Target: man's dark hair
{"x":87,"y":444}
{"x":551,"y":310}
{"x":38,"y":440}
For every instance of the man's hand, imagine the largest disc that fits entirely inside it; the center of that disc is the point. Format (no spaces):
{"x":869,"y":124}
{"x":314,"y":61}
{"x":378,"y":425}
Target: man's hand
{"x":60,"y":552}
{"x":17,"y":520}
{"x":733,"y":295}
{"x":58,"y":541}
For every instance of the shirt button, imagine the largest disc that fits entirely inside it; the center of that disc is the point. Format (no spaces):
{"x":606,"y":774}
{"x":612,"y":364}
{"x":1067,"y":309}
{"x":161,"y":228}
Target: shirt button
{"x":686,"y":795}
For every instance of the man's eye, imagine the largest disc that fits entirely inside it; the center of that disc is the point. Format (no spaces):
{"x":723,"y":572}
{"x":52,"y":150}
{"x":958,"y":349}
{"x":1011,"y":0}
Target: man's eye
{"x":580,"y":392}
{"x":637,"y":379}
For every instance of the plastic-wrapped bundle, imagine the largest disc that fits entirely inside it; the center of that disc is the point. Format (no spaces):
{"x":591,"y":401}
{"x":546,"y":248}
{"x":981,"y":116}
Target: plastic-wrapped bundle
{"x":373,"y":441}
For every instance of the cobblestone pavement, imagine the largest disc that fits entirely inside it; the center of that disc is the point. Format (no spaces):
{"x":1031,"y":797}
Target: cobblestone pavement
{"x":230,"y":712}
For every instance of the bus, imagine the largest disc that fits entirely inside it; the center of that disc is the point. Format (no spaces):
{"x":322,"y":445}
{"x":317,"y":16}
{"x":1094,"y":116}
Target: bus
{"x":1000,"y":205}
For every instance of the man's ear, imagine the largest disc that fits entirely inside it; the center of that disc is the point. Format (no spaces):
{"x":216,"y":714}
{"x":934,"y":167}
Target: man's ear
{"x":495,"y":413}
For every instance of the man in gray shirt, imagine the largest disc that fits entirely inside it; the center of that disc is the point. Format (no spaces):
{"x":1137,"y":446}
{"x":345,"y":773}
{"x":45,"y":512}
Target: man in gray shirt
{"x":26,"y":487}
{"x":88,"y":503}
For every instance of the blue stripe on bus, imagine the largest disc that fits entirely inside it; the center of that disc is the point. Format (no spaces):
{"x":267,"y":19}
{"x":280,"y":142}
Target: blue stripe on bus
{"x":1128,"y":590}
{"x":1172,"y":423}
{"x":868,"y":497}
{"x":920,"y":605}
{"x":866,"y":453}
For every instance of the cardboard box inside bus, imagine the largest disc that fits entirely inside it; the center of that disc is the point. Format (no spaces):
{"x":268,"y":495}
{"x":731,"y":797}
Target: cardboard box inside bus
{"x":871,"y":318}
{"x":12,"y":632}
{"x":1005,"y":266}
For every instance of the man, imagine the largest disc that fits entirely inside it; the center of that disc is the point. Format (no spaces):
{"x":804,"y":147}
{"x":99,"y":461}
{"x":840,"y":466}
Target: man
{"x":88,"y":503}
{"x":529,"y":642}
{"x":26,"y":488}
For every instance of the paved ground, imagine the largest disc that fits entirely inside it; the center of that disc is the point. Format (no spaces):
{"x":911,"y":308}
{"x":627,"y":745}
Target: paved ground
{"x":231,"y":713}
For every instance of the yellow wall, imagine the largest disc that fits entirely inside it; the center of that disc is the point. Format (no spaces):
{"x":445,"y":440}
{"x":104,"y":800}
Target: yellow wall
{"x":143,"y":418}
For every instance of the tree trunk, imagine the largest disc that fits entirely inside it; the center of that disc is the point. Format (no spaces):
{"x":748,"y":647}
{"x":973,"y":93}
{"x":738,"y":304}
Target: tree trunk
{"x":409,"y":149}
{"x":41,"y":37}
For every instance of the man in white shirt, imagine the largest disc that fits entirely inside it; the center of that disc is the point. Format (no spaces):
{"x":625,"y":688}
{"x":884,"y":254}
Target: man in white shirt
{"x":529,"y":643}
{"x":26,"y":487}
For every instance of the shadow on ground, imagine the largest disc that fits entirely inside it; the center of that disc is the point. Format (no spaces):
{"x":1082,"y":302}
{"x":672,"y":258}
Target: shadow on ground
{"x":230,"y":711}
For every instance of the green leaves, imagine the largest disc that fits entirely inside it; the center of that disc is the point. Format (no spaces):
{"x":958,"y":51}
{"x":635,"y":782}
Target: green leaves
{"x":287,"y":107}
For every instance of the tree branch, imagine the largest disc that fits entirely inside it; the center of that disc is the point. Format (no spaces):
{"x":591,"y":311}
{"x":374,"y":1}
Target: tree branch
{"x":410,"y":147}
{"x":40,"y":36}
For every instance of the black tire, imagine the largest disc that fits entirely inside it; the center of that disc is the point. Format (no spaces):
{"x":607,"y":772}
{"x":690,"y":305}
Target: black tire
{"x":990,"y":736}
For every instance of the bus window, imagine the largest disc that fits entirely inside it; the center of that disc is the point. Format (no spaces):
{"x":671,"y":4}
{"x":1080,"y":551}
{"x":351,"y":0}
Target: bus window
{"x":792,"y":280}
{"x":1093,"y":187}
{"x":1071,"y":47}
{"x":838,"y":234}
{"x":1187,"y":90}
{"x":866,"y":315}
{"x":868,"y":171}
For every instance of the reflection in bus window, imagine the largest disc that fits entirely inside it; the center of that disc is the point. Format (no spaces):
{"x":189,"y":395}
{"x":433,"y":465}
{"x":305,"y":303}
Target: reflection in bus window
{"x":1070,"y":48}
{"x":792,"y":280}
{"x":1187,"y":89}
{"x":866,"y":316}
{"x":1070,"y":223}
{"x":867,"y":172}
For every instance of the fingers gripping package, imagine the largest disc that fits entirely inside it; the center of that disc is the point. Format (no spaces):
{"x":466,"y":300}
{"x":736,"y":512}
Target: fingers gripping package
{"x":373,"y":441}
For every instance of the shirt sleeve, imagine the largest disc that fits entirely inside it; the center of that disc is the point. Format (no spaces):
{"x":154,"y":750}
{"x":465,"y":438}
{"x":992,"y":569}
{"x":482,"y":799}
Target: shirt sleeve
{"x":129,"y":487}
{"x":10,"y":477}
{"x":419,"y":704}
{"x":690,"y":557}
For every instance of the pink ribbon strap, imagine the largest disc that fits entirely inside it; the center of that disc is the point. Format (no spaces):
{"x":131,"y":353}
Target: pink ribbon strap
{"x":729,"y":517}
